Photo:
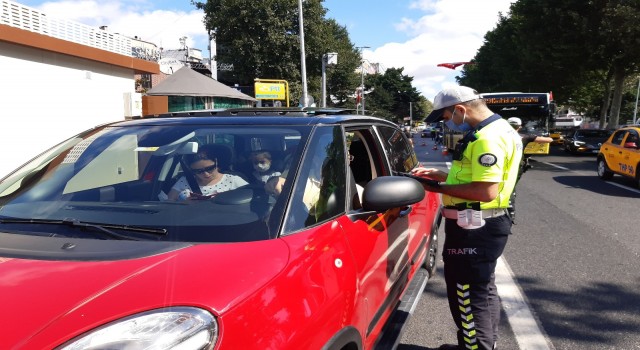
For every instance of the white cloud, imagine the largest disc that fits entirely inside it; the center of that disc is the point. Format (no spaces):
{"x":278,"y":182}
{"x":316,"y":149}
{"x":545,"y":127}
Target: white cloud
{"x":449,"y":31}
{"x":161,"y":27}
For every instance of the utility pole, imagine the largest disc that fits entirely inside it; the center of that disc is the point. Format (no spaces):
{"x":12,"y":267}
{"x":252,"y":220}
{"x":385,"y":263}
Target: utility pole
{"x":635,"y":111}
{"x":303,"y":65}
{"x":410,"y":115}
{"x":362,"y":76}
{"x":327,"y":59}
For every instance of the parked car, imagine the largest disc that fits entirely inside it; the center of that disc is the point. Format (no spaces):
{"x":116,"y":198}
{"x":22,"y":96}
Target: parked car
{"x":585,"y":141}
{"x":94,"y":255}
{"x":620,"y":154}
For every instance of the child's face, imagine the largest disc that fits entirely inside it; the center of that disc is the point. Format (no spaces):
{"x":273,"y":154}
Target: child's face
{"x":261,"y":163}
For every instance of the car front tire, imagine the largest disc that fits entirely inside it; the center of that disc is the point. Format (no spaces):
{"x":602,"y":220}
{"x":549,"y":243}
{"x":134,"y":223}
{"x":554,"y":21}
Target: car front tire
{"x":431,"y":260}
{"x":603,"y":170}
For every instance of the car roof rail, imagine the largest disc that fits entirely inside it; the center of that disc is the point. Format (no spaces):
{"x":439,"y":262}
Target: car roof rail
{"x":256,"y":111}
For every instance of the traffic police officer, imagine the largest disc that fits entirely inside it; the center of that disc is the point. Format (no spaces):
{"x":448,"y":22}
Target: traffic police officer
{"x":475,"y":195}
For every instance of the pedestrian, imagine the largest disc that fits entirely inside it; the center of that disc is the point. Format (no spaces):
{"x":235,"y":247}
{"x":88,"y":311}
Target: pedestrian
{"x":475,"y":195}
{"x":516,"y":123}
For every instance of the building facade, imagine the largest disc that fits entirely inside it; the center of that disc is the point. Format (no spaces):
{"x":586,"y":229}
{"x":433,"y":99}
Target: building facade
{"x":59,"y":78}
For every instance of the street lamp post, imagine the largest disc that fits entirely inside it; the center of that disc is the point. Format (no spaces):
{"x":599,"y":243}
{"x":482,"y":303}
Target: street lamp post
{"x":635,"y":111}
{"x":303,"y":66}
{"x":327,"y":58}
{"x":410,"y":115}
{"x":362,"y":76}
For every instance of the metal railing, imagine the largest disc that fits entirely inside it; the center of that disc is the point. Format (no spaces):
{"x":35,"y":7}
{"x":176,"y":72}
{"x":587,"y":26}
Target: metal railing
{"x":20,"y":16}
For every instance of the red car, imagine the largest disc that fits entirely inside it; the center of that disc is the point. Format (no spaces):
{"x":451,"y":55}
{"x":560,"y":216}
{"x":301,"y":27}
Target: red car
{"x":165,"y":233}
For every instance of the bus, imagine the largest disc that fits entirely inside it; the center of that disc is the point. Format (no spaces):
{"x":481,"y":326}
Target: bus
{"x":535,"y":109}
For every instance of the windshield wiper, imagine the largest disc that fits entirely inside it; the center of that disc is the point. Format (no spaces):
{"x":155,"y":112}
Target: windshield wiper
{"x":102,"y":228}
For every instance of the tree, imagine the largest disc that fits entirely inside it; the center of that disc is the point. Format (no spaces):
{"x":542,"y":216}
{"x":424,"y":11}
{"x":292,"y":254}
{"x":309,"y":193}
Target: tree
{"x":391,"y":94}
{"x":260,"y":39}
{"x":574,"y":48}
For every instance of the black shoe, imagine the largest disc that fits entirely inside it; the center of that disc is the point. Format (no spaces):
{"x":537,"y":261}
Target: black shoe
{"x":449,"y":347}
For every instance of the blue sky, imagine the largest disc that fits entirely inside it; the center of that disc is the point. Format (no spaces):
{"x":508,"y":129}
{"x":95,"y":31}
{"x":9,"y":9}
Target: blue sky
{"x":413,"y":34}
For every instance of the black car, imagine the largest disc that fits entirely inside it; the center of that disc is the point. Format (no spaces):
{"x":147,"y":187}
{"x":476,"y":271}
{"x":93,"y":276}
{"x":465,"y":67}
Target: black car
{"x":585,"y":141}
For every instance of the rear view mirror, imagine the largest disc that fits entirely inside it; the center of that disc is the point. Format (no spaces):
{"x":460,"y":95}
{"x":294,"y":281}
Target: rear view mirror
{"x":630,"y":145}
{"x":189,"y":148}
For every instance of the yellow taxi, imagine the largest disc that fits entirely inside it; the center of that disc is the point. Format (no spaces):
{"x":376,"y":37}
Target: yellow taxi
{"x":557,"y":136}
{"x":620,"y":154}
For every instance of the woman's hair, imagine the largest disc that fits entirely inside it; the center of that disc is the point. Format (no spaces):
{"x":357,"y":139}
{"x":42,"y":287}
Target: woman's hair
{"x":204,"y":153}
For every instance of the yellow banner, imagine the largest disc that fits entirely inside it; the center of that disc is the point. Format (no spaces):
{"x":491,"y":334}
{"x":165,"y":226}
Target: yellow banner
{"x":270,"y":91}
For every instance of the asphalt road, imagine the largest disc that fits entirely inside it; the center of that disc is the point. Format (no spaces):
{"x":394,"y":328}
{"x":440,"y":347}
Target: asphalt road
{"x":573,"y":255}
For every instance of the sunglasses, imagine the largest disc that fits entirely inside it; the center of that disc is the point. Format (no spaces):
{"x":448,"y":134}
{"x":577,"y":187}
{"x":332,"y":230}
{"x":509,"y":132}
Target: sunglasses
{"x":208,"y":169}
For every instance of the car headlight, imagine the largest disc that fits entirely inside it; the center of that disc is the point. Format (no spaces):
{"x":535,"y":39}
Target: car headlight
{"x":178,"y":328}
{"x":579,"y":143}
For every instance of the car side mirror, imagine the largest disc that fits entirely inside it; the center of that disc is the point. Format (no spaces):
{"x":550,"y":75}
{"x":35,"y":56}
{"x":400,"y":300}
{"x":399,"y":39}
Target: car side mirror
{"x":388,"y":192}
{"x":630,"y":145}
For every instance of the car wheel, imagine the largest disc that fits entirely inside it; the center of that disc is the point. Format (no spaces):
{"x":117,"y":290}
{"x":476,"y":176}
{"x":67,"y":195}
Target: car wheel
{"x":432,"y":252}
{"x":603,"y":171}
{"x":637,"y":176}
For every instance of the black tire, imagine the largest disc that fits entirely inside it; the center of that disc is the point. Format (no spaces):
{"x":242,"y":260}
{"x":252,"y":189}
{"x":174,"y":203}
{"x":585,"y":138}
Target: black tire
{"x":603,"y":170}
{"x":637,"y":176}
{"x":431,"y":261}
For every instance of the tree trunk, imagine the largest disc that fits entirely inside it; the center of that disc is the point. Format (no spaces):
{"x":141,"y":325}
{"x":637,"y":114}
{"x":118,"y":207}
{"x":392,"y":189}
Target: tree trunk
{"x":606,"y":99}
{"x":618,"y":84}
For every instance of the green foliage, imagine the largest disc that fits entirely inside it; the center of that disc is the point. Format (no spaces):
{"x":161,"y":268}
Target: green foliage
{"x":583,"y":51}
{"x":261,"y":40}
{"x":392,"y":95}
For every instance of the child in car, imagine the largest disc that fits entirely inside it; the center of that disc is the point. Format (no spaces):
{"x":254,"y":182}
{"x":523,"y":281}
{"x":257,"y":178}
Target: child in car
{"x":262,"y":166}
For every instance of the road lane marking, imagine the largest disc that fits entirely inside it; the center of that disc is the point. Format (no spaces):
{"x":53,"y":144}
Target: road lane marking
{"x":523,"y":324}
{"x":553,"y":165}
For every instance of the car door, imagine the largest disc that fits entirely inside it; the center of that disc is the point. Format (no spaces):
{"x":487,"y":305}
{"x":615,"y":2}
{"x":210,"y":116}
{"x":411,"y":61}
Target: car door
{"x":421,"y":216}
{"x":629,"y":154}
{"x":383,"y":244}
{"x":613,"y":150}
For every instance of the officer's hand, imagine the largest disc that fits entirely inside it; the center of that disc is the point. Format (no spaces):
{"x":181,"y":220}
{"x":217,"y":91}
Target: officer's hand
{"x":430,"y":173}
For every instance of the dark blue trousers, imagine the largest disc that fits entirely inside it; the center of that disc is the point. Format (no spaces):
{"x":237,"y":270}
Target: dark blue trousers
{"x":470,"y":258}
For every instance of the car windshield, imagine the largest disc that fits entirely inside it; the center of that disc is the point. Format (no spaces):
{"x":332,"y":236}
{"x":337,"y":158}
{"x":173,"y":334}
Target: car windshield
{"x":153,"y":183}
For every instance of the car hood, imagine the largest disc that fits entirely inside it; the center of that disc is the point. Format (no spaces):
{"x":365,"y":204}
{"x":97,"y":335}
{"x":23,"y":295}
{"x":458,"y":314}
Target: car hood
{"x":53,"y":300}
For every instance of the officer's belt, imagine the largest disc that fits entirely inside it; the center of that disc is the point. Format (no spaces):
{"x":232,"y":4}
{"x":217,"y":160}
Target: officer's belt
{"x":486,"y":213}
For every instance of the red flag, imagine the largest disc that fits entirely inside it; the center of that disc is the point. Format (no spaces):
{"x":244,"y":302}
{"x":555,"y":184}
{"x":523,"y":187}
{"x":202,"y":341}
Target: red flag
{"x":453,"y":65}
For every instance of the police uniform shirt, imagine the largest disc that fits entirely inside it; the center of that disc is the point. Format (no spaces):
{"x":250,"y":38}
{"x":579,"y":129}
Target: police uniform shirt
{"x":493,"y":157}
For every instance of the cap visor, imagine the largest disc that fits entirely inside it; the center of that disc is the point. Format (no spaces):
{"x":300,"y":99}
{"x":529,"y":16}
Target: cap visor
{"x":435,"y":116}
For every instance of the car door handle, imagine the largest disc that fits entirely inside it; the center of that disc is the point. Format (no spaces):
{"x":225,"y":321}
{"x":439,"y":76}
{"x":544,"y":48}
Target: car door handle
{"x":404,"y":212}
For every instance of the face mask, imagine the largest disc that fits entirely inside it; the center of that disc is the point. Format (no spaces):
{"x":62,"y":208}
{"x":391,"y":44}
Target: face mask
{"x":464,"y":127}
{"x":262,"y":167}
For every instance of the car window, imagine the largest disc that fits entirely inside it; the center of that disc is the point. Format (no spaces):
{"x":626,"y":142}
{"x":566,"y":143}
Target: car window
{"x":365,"y":162}
{"x":632,"y":137}
{"x":122,"y":178}
{"x":400,"y":152}
{"x":319,"y":189}
{"x":618,"y":137}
